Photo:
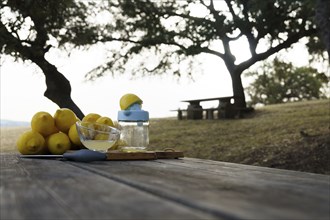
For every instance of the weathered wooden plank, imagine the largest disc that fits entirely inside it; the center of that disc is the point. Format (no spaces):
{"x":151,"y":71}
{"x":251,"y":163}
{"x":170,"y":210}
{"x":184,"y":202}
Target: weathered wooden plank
{"x":227,"y":190}
{"x":54,"y":189}
{"x":202,"y":188}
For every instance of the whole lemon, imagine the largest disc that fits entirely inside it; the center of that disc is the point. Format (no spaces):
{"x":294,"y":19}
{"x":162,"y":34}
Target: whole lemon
{"x":58,"y":143}
{"x":129,"y":99}
{"x":74,"y":136}
{"x":91,"y":117}
{"x":64,"y":118}
{"x":105,"y":120}
{"x":31,"y":142}
{"x":116,"y":125}
{"x":43,"y":123}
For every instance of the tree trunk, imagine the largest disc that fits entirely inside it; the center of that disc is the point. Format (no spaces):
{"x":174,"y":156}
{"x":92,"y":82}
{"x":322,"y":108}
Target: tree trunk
{"x":238,"y":90}
{"x":58,"y":87}
{"x":322,"y":15}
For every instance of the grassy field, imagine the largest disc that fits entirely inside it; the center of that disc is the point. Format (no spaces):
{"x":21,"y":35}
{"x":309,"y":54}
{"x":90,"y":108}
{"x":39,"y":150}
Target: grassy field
{"x":288,"y":136}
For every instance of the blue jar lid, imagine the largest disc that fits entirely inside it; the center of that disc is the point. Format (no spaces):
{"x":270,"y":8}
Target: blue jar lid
{"x":133,"y":113}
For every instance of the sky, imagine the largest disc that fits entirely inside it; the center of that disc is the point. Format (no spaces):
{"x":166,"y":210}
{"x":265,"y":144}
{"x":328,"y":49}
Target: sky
{"x":23,"y":86}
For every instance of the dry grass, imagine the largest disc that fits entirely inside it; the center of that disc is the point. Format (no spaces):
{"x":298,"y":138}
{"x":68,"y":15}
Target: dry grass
{"x":9,"y":136}
{"x":271,"y":136}
{"x":288,"y":136}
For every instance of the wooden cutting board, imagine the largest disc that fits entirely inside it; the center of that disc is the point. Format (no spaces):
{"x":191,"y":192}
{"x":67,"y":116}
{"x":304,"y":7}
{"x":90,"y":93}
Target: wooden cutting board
{"x":147,"y":155}
{"x":118,"y":155}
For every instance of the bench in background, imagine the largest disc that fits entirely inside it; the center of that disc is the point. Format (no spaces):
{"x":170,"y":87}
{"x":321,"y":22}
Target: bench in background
{"x":195,"y":111}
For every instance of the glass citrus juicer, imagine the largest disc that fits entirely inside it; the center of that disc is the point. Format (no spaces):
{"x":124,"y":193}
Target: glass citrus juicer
{"x":133,"y":124}
{"x":97,"y":137}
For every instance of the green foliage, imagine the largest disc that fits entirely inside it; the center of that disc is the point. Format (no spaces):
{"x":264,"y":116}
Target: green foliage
{"x":36,"y":24}
{"x":172,"y":32}
{"x":280,"y":82}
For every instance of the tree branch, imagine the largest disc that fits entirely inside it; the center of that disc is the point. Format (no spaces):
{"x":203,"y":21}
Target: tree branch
{"x":294,"y":38}
{"x":12,"y":43}
{"x":247,"y":30}
{"x":213,"y":52}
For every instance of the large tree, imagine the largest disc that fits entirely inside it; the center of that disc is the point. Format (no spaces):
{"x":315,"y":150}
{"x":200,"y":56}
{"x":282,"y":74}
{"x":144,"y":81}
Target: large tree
{"x":30,"y":28}
{"x":175,"y":31}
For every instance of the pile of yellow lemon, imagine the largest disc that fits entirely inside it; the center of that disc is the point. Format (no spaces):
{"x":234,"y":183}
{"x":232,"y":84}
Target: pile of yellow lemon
{"x":55,"y":134}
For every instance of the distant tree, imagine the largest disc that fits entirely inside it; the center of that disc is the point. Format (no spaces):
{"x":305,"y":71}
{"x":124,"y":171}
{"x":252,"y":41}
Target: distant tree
{"x":175,"y":31}
{"x":280,"y":82}
{"x":30,"y":28}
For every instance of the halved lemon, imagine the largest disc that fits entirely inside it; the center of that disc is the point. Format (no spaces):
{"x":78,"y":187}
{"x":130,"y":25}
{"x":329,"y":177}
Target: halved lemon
{"x":129,"y":99}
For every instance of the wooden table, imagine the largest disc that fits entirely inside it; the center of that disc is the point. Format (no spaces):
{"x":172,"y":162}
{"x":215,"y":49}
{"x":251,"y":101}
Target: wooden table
{"x":157,"y":189}
{"x":195,"y":110}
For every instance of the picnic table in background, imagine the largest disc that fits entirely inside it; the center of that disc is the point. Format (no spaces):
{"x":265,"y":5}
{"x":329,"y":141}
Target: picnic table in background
{"x":157,"y":189}
{"x":195,"y":111}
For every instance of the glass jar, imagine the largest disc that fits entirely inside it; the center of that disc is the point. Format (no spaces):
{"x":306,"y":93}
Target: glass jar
{"x":134,"y":128}
{"x":135,"y":134}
